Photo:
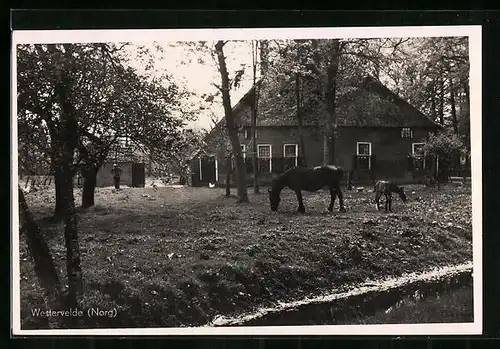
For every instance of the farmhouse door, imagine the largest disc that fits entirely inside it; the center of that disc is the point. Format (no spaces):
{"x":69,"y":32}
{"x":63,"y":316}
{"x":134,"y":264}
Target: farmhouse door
{"x":208,"y":170}
{"x":138,"y":175}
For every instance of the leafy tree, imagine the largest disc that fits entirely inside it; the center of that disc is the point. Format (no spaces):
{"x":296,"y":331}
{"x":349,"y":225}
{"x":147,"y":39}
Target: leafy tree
{"x":74,"y":102}
{"x":433,"y":75}
{"x":443,"y":144}
{"x":188,"y":143}
{"x":112,"y":101}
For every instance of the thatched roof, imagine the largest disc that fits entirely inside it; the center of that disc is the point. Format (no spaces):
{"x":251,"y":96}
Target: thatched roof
{"x":371,"y":104}
{"x":375,"y":105}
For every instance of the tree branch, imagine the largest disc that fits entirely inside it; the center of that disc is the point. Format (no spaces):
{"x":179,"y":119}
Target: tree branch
{"x":216,"y":86}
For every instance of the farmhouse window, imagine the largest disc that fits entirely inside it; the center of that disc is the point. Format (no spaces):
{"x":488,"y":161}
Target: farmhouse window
{"x":417,"y":150}
{"x":290,"y":153}
{"x":406,"y":132}
{"x":364,"y":152}
{"x":264,"y":154}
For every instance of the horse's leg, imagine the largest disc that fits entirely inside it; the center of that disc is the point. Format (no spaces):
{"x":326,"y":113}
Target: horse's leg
{"x":333,"y":195}
{"x":377,"y":200}
{"x":390,"y":202}
{"x":386,"y":201}
{"x":341,"y":197}
{"x":301,"y":208}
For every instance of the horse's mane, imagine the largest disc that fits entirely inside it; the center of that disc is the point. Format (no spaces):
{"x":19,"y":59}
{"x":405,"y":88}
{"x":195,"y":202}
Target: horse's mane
{"x":276,"y":182}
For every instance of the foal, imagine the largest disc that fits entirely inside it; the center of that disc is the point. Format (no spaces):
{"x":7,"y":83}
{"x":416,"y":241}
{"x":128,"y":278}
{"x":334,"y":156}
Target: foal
{"x":386,"y":188}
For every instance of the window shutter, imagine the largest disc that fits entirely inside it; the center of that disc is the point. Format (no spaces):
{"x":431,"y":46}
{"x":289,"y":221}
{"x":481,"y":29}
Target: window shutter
{"x":373,"y":167}
{"x":354,"y":162}
{"x":300,"y":161}
{"x":373,"y":162}
{"x":278,"y":165}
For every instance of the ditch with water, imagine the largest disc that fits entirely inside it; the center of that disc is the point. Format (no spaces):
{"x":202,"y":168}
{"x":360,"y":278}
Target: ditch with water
{"x":373,"y":300}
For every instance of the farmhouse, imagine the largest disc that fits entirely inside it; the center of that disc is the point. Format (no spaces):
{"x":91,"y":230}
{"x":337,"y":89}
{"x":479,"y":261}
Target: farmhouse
{"x":377,"y":135}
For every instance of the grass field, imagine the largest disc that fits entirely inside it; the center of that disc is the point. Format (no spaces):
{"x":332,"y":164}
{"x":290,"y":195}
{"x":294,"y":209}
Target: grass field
{"x":180,"y":256}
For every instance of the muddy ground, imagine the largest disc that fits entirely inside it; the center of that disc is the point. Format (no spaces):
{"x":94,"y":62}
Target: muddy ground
{"x":181,"y":256}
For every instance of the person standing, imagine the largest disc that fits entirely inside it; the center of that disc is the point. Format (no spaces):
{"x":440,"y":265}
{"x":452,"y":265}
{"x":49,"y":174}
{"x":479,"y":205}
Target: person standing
{"x":116,"y":171}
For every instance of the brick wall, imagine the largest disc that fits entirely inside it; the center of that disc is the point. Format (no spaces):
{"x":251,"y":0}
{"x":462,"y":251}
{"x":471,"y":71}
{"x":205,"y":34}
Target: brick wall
{"x":277,"y":137}
{"x":389,"y":148}
{"x":387,"y":145}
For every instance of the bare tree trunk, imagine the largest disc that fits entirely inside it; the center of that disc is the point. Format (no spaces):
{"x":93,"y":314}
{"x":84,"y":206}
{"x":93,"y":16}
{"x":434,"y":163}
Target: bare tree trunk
{"x":326,"y":142}
{"x":454,"y":119}
{"x":44,"y":266}
{"x":68,"y":139}
{"x":467,"y":133}
{"x":300,"y":122}
{"x":441,"y":100}
{"x":231,"y":125}
{"x":331,"y":88}
{"x":255,"y":163}
{"x":254,"y":120}
{"x":58,"y":183}
{"x":453,"y":106}
{"x":264,"y":57}
{"x":302,"y":150}
{"x":229,"y":170}
{"x":433,"y":107}
{"x":73,"y":264}
{"x":323,"y":93}
{"x":89,"y":184}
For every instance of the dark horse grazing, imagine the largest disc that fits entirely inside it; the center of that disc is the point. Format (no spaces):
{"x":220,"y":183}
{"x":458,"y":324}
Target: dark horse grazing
{"x":309,"y":179}
{"x":387,"y":188}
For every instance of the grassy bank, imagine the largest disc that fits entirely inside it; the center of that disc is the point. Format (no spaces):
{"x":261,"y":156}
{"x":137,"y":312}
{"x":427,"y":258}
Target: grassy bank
{"x":180,"y":256}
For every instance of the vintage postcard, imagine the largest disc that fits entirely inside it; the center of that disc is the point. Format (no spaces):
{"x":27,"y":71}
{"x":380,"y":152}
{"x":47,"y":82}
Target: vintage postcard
{"x":288,"y":181}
